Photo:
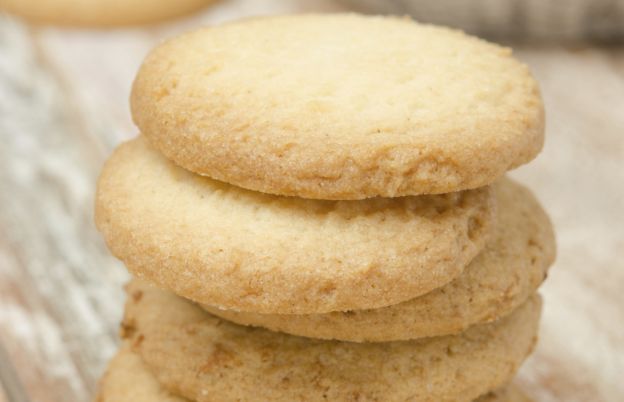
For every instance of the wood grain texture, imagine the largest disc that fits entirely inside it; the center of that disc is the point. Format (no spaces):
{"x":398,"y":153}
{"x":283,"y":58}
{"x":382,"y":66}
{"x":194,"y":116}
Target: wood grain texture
{"x":63,"y":107}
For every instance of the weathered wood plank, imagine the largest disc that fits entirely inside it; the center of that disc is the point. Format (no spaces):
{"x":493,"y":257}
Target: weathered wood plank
{"x":10,"y":385}
{"x":60,"y":290}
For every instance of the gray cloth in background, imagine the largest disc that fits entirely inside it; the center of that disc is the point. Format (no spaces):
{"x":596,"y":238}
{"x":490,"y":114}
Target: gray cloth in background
{"x":513,"y":19}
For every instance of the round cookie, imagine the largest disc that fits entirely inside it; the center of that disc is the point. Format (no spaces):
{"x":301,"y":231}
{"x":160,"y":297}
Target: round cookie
{"x":241,"y":250}
{"x":504,"y":275}
{"x":510,"y":393}
{"x":99,"y":13}
{"x":339,"y":106}
{"x":197,"y":355}
{"x":128,"y":380}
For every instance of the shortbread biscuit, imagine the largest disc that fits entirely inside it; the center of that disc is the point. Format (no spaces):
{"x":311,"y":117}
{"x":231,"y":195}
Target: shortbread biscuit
{"x":503,"y":276}
{"x":99,"y":13}
{"x":128,"y":380}
{"x":339,"y":106}
{"x":224,"y":246}
{"x":510,"y":393}
{"x":197,"y":355}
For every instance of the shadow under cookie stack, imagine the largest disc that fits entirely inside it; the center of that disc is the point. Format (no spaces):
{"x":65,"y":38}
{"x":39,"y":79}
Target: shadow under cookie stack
{"x":316,"y":210}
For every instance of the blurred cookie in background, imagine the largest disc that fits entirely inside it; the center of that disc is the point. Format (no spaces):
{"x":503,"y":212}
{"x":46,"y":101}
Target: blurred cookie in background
{"x":99,"y":13}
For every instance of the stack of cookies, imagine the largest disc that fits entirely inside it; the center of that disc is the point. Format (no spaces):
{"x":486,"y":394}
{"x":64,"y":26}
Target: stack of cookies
{"x":316,"y":210}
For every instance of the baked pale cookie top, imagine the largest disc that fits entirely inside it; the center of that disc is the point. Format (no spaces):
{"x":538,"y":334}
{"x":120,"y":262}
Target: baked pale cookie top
{"x":503,"y":276}
{"x":242,"y":250}
{"x":127,"y":379}
{"x":99,"y":13}
{"x":339,"y":106}
{"x":199,"y":356}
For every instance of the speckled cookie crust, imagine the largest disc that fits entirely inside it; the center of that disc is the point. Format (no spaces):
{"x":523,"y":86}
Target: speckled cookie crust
{"x":510,"y":393}
{"x":339,"y":106}
{"x":512,"y":265}
{"x":197,"y":355}
{"x":128,"y":380}
{"x":224,"y":246}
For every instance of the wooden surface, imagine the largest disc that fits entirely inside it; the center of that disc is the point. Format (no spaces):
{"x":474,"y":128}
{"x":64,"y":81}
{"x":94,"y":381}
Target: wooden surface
{"x":63,"y":107}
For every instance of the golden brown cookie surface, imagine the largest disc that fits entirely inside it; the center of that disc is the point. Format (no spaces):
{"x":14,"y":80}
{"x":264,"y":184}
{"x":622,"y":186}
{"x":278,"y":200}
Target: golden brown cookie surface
{"x":339,"y":106}
{"x":197,"y":355}
{"x":509,"y":269}
{"x":224,"y":246}
{"x":510,"y":393}
{"x":127,"y":379}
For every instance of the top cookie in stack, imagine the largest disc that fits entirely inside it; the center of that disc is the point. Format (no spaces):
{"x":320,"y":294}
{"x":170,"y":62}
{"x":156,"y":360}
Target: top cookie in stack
{"x":335,"y":177}
{"x":339,"y":107}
